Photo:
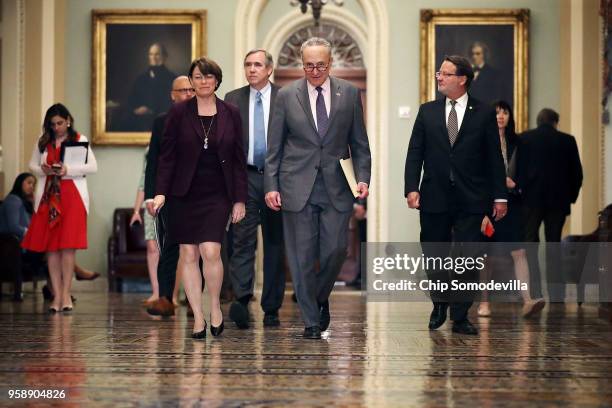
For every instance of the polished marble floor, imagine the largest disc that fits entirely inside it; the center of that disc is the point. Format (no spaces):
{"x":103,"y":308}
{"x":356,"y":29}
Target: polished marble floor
{"x":109,"y":352}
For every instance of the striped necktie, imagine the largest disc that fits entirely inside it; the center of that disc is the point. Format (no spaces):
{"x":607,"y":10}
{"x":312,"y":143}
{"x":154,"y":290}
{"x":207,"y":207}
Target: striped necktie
{"x":453,"y":124}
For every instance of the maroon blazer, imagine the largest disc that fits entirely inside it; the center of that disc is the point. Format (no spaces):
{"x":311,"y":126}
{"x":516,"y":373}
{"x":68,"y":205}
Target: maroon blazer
{"x":182,"y":144}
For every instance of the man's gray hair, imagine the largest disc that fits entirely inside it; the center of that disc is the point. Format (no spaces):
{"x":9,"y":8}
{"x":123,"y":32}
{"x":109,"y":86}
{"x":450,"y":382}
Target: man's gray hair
{"x":269,"y":59}
{"x":313,"y":42}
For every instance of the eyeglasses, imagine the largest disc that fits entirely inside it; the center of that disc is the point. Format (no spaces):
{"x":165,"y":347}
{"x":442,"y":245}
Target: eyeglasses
{"x":445,"y":74}
{"x":184,"y":90}
{"x":321,"y":67}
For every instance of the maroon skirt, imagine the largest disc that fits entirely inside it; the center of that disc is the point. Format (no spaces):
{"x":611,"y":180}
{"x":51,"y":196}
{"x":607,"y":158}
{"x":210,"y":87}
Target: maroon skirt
{"x":203,"y":213}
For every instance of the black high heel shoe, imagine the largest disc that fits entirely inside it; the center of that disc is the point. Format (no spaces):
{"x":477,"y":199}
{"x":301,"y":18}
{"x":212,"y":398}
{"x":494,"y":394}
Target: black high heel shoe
{"x":216,"y":331}
{"x":201,"y":334}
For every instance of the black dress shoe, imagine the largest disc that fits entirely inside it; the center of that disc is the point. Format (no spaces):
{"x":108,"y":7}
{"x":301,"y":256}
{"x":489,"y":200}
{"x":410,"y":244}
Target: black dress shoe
{"x":216,"y":331}
{"x":239,"y":313}
{"x":201,"y":334}
{"x":324,"y":317}
{"x":464,"y":327}
{"x":271,"y":320}
{"x":438,"y":315}
{"x":313,"y":332}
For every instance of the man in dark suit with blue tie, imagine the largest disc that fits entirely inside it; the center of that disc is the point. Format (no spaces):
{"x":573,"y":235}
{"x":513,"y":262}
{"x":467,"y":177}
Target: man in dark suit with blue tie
{"x":455,"y":142}
{"x":316,"y":121}
{"x":256,"y":104}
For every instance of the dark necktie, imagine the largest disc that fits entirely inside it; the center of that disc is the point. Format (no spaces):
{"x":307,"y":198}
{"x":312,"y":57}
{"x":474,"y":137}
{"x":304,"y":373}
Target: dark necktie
{"x":322,"y":118}
{"x":453,"y":125}
{"x":259,"y":133}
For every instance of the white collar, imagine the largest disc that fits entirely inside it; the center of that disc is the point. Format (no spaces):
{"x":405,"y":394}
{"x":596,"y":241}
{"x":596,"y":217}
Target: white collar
{"x":461,"y":101}
{"x":264,"y":91}
{"x":326,"y":86}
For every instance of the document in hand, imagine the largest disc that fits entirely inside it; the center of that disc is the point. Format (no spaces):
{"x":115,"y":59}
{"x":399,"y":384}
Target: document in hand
{"x":349,"y":174}
{"x":74,"y":153}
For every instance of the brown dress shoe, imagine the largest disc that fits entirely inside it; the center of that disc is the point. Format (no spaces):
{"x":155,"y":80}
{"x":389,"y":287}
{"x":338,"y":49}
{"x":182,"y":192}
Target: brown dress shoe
{"x":161,"y":307}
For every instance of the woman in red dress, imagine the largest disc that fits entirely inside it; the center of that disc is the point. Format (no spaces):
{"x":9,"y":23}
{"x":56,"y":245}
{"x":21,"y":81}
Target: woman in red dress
{"x":61,"y":202}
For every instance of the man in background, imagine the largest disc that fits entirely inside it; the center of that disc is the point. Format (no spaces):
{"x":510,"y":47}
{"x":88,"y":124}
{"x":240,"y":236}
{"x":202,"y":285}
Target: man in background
{"x":550,"y":178}
{"x":168,"y":259}
{"x":256,"y":103}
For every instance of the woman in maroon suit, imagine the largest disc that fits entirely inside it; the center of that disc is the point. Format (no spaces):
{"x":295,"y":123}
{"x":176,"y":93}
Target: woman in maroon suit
{"x":202,"y":172}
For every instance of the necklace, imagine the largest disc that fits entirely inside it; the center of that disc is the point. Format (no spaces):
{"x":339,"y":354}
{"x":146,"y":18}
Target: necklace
{"x":206,"y":133}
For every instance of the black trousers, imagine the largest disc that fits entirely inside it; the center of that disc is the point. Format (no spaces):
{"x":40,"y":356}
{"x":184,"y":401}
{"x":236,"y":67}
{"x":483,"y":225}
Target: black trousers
{"x":553,"y":226}
{"x":242,"y":261}
{"x":168,"y":257}
{"x":438,"y":232}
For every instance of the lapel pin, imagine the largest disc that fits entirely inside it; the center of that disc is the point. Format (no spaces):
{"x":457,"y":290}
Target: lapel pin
{"x":337,"y":93}
{"x":469,"y":107}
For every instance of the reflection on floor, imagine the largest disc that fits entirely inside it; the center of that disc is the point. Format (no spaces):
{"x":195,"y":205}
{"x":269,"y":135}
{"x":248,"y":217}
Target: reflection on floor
{"x":109,"y":352}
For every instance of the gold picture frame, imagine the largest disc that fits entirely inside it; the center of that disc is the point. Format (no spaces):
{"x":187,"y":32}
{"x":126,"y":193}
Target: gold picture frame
{"x":127,"y":48}
{"x":459,"y":31}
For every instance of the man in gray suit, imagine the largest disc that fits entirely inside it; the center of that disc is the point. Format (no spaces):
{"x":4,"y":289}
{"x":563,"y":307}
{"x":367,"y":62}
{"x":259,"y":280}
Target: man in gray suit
{"x":256,"y":104}
{"x":315,"y":122}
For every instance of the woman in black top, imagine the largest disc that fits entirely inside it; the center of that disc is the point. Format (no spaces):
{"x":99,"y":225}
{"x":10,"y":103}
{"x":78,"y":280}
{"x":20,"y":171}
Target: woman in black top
{"x":509,"y":231}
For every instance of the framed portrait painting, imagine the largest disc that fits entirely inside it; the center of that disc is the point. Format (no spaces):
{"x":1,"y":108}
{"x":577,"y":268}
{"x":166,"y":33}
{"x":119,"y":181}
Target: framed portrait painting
{"x":136,"y":55}
{"x":494,"y":41}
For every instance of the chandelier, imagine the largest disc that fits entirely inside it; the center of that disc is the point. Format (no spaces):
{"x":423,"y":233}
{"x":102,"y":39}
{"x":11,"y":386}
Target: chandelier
{"x":316,"y":6}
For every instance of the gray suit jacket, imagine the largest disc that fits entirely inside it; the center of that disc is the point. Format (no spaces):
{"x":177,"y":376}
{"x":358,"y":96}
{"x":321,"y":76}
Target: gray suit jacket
{"x":240,"y":97}
{"x":296,"y":153}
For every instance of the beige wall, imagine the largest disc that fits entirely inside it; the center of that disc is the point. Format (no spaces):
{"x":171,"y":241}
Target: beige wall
{"x":33,"y":77}
{"x":580,"y":108}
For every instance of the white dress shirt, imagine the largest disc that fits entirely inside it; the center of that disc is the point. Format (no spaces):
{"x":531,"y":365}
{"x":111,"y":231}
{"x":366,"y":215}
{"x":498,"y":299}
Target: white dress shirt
{"x":313,"y":94}
{"x":460,"y":108}
{"x":266,"y":96}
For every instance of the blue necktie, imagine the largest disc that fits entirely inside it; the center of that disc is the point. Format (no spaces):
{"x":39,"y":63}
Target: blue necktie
{"x":259,"y":133}
{"x":322,"y":118}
